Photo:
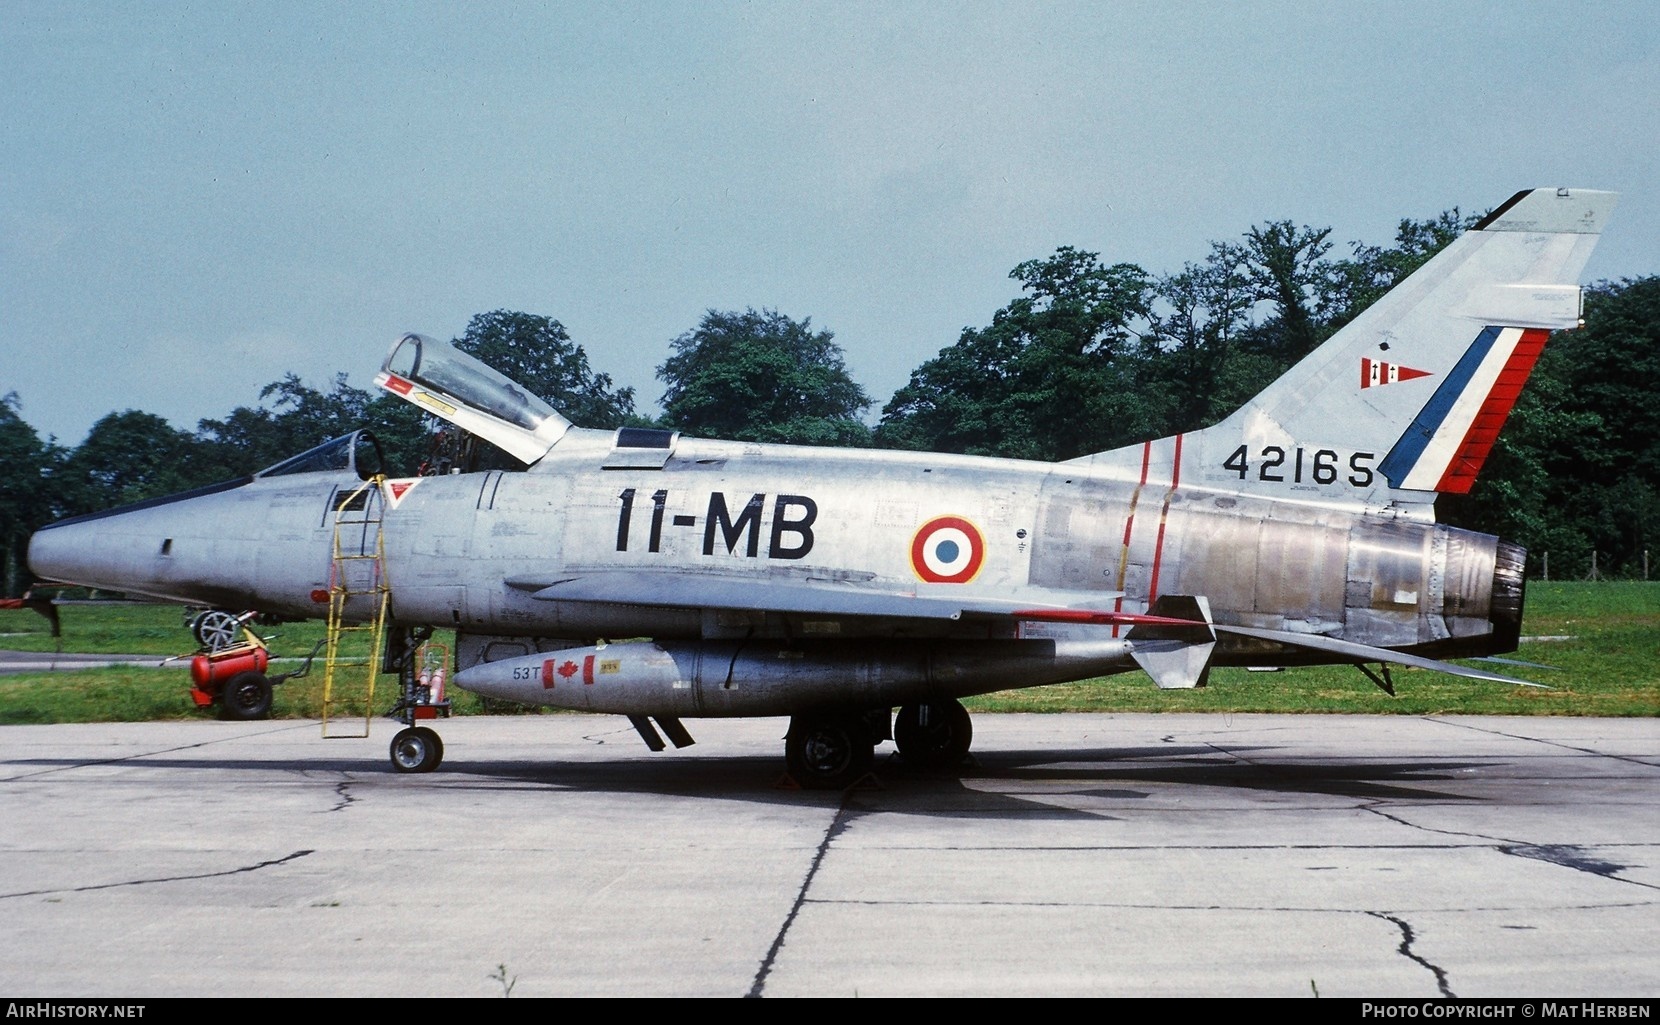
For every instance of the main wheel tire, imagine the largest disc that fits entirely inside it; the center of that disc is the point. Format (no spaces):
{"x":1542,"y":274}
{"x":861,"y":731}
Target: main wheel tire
{"x":416,"y":749}
{"x":828,"y":752}
{"x":933,"y":734}
{"x":245,"y":697}
{"x":216,"y":629}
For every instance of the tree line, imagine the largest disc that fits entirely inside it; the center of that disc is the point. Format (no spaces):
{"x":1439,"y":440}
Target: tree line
{"x":1087,"y":356}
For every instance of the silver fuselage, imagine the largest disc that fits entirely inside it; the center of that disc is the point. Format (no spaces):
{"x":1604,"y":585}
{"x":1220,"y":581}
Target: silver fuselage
{"x":471,"y":552}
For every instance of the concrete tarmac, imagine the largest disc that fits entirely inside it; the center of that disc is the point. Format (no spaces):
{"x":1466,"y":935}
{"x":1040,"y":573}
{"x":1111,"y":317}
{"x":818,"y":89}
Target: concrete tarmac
{"x":1081,"y":855}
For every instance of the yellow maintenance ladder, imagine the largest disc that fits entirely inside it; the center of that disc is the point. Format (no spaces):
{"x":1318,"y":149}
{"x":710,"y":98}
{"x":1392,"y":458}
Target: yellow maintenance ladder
{"x":359,"y":595}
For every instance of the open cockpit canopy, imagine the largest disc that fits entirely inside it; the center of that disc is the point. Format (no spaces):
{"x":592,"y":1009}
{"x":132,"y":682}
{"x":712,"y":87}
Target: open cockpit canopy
{"x":448,"y":383}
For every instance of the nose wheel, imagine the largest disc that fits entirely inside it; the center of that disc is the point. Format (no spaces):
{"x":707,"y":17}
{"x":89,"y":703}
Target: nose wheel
{"x":417,"y":749}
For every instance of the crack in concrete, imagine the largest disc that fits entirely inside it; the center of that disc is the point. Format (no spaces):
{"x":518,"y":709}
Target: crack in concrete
{"x":1489,"y":841}
{"x":1114,"y":905}
{"x":140,"y":755}
{"x":844,"y":816}
{"x":343,"y":790}
{"x":1633,"y":759}
{"x":602,"y":738}
{"x":257,"y":866}
{"x":1566,"y":855}
{"x":1574,"y":857}
{"x":1406,"y":951}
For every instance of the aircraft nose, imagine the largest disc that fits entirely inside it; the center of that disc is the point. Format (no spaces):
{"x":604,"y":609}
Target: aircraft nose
{"x":51,"y":553}
{"x":132,"y":548}
{"x":75,"y":551}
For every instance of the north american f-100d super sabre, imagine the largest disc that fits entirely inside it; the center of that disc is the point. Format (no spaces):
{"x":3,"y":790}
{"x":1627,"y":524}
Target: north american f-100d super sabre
{"x":664,"y":578}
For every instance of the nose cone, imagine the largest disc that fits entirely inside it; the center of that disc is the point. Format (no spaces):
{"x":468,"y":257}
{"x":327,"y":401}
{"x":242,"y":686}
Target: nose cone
{"x":52,"y":553}
{"x":109,"y":551}
{"x":130,"y":549}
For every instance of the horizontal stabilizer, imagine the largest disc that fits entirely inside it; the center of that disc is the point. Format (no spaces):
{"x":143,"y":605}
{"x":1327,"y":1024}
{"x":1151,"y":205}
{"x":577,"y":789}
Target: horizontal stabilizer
{"x":1516,"y":662}
{"x":1367,"y":653}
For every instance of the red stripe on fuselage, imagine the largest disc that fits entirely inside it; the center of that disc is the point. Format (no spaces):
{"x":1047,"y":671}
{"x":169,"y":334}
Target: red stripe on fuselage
{"x":1164,"y":515}
{"x":1129,"y":526}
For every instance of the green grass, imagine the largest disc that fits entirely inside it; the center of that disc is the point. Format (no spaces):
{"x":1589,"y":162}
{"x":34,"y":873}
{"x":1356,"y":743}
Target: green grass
{"x":1609,"y":667}
{"x":141,"y":693}
{"x":107,"y":628}
{"x":148,"y":695}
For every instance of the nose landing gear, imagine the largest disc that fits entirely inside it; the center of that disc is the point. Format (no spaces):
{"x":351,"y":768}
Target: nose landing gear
{"x":417,"y":749}
{"x":422,"y":670}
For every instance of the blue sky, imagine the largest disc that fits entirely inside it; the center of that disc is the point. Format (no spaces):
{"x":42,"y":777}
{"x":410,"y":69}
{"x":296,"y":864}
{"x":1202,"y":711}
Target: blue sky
{"x":198,"y":198}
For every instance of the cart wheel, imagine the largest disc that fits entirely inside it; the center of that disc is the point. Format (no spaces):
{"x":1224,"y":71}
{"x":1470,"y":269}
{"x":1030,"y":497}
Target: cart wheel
{"x":216,"y":629}
{"x":245,"y":697}
{"x":416,"y":749}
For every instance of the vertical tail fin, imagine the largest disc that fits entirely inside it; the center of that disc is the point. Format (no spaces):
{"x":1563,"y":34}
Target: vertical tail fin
{"x":1407,"y":399}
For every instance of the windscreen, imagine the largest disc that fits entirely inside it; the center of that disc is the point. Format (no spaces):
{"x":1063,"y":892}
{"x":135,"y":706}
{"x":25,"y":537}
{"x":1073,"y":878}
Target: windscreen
{"x":358,"y":451}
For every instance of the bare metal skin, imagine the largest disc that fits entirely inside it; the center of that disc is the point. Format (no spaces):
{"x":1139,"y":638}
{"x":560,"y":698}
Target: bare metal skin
{"x":662,"y":577}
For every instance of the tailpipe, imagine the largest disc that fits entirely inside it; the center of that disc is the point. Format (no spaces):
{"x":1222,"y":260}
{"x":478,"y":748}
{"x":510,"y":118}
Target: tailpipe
{"x":1509,"y":595}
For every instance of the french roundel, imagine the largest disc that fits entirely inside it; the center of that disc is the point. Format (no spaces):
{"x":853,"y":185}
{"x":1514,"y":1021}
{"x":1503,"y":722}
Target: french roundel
{"x":947,"y":550}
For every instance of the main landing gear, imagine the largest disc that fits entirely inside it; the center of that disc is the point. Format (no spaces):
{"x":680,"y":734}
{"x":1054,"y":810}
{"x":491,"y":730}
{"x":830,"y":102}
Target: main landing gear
{"x":834,"y":750}
{"x":933,"y":734}
{"x":831,"y":751}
